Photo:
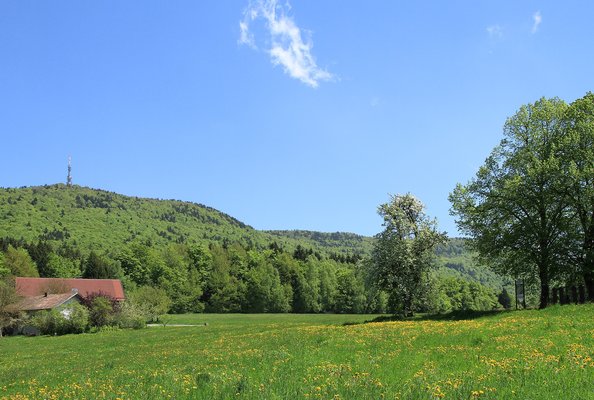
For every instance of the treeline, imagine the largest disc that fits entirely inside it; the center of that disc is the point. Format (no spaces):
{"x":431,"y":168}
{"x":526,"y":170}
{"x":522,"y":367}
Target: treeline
{"x":232,"y":278}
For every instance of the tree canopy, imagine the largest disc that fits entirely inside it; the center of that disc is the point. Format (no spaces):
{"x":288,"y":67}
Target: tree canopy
{"x":523,"y":208}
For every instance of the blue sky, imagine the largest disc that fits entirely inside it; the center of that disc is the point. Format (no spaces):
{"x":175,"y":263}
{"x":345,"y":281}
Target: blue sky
{"x":300,"y":115}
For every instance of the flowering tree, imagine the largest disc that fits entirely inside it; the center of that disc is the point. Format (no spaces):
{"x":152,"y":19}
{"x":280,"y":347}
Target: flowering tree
{"x":404,"y":251}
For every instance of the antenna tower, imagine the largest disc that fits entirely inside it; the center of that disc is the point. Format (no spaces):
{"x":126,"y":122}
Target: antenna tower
{"x":69,"y":178}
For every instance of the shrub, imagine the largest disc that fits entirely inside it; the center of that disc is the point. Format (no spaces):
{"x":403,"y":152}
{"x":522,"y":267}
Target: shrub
{"x":151,"y":302}
{"x":102,"y":309}
{"x":78,"y":318}
{"x":130,"y":316}
{"x":101,"y":312}
{"x":75,"y":319}
{"x":50,"y":322}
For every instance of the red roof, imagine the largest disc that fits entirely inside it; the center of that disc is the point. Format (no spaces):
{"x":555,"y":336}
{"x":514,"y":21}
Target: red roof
{"x":38,"y":286}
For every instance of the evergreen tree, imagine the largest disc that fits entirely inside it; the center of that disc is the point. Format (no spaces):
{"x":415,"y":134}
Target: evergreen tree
{"x":97,"y":267}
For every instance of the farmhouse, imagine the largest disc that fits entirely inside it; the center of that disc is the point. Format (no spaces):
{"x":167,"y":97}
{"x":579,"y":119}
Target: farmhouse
{"x":48,"y":301}
{"x":35,"y":287}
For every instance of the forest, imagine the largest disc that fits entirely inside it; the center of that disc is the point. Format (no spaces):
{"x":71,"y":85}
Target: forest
{"x":207,"y":261}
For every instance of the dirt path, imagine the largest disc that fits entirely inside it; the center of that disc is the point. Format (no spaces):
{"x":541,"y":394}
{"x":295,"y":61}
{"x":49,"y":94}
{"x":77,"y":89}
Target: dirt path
{"x":156,"y":325}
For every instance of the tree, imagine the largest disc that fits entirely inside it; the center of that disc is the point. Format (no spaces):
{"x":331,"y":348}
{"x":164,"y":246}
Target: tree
{"x":578,"y":162}
{"x":102,"y":309}
{"x":61,"y":267}
{"x":152,"y":302}
{"x":40,"y":254}
{"x":4,"y":271}
{"x":200,"y":261}
{"x":516,"y":208}
{"x":264,"y":292}
{"x":19,"y":262}
{"x":96,"y":267}
{"x":8,"y":296}
{"x":328,"y":284}
{"x":182,"y":287}
{"x":138,"y":263}
{"x":404,"y":251}
{"x":350,"y":292}
{"x":224,"y":292}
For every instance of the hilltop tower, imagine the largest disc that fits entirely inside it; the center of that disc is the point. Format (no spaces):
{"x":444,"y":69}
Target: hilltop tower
{"x":69,"y":177}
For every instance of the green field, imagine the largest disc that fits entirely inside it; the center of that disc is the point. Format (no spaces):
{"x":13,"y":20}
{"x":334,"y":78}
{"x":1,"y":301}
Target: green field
{"x":524,"y":355}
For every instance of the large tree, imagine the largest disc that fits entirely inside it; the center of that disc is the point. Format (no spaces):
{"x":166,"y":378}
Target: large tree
{"x":516,"y":209}
{"x":578,"y":161}
{"x":404,"y":251}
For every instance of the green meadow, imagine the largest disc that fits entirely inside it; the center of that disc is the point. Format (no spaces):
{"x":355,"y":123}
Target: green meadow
{"x":533,"y":354}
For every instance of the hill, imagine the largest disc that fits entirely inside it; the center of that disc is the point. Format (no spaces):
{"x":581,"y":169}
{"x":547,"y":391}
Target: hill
{"x":93,"y":219}
{"x":454,"y":260}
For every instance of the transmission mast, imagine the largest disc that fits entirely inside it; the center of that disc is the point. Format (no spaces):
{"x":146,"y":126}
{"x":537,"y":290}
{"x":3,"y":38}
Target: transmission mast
{"x":69,"y":178}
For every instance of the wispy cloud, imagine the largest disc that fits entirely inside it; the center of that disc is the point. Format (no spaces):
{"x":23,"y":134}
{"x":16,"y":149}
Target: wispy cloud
{"x":537,"y":18}
{"x":495,"y":31}
{"x":284,"y":41}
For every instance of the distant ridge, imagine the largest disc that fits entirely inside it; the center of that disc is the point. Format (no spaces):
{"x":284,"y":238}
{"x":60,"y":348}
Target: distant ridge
{"x":95,"y":219}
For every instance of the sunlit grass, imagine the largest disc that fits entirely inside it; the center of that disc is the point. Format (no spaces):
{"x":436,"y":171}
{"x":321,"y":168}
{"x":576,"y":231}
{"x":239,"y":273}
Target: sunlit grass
{"x":524,"y":355}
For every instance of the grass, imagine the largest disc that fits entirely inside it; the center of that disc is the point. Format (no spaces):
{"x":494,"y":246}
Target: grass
{"x":523,"y":355}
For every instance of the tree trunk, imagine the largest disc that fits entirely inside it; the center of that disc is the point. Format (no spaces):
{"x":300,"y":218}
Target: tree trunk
{"x":555,"y":299}
{"x":544,"y":287}
{"x":582,"y":294}
{"x":408,"y":312}
{"x":589,"y":281}
{"x":588,"y":263}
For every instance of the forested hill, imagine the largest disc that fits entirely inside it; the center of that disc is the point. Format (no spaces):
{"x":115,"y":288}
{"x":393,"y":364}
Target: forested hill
{"x":61,"y":231}
{"x":454,"y":260}
{"x":330,"y":241}
{"x":91,"y":219}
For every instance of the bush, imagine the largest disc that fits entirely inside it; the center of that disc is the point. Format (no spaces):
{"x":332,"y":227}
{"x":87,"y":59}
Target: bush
{"x":73,"y":319}
{"x":50,"y":322}
{"x":130,"y":316}
{"x":78,"y":318}
{"x":102,"y":308}
{"x":101,"y":311}
{"x":150,"y":302}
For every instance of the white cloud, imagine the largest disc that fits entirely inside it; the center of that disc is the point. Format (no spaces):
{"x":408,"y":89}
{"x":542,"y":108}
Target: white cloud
{"x":245,"y":36}
{"x":495,"y":31}
{"x":537,"y":18}
{"x":284,"y":42}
